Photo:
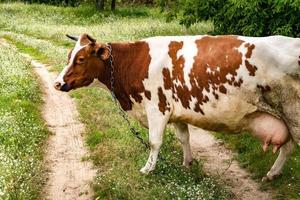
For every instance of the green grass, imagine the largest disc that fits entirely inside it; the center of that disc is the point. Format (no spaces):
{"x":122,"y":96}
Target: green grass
{"x":22,"y":130}
{"x":251,"y":156}
{"x":119,"y":156}
{"x":28,"y":49}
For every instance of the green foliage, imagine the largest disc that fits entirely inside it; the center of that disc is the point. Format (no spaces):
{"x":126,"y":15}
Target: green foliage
{"x":22,"y":131}
{"x":50,"y":2}
{"x":243,"y":17}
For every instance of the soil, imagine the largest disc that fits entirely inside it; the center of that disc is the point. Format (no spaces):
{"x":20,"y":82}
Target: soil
{"x":69,"y":177}
{"x":219,"y":162}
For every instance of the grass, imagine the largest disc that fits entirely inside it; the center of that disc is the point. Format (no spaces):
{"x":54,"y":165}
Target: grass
{"x":22,"y":130}
{"x":120,"y":156}
{"x":251,"y":156}
{"x":39,"y":30}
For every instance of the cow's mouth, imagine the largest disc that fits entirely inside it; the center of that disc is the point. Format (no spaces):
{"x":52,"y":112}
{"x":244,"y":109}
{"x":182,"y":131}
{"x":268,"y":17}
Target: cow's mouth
{"x":65,"y":88}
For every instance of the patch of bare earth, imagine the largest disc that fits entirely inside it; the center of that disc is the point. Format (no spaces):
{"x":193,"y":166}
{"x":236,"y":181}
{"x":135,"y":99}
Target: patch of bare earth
{"x":219,"y":161}
{"x":69,"y":176}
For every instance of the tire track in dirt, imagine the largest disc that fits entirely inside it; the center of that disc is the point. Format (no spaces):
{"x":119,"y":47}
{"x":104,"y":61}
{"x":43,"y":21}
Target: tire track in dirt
{"x":69,"y":177}
{"x":219,"y":162}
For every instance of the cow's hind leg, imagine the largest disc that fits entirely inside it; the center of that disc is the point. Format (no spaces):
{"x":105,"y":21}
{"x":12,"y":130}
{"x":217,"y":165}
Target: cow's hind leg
{"x":285,"y":151}
{"x":157,"y":123}
{"x":183,"y":135}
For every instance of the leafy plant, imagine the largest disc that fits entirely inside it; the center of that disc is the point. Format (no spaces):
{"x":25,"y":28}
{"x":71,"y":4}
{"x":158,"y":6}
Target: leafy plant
{"x":242,"y":17}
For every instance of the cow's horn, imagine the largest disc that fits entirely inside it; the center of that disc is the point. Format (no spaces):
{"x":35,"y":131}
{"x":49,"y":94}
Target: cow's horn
{"x":90,"y":38}
{"x":72,"y":37}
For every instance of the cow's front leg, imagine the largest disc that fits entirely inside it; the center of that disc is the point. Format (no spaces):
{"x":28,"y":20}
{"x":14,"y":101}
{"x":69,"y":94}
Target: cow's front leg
{"x":182,"y":133}
{"x":157,"y":123}
{"x":285,"y":151}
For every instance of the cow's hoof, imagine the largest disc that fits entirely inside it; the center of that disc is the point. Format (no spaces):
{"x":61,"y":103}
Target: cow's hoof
{"x":270,"y":177}
{"x":187,"y":164}
{"x":146,"y":170}
{"x":266,"y":179}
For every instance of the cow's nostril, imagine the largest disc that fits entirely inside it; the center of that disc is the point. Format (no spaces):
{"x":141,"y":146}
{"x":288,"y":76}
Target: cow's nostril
{"x":57,"y":85}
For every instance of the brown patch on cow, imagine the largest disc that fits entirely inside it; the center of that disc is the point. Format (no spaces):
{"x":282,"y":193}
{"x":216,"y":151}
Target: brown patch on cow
{"x":131,"y":62}
{"x":251,"y":68}
{"x":180,"y":89}
{"x":163,"y":105}
{"x":299,"y":61}
{"x":238,"y":83}
{"x":250,"y":49}
{"x":223,"y":89}
{"x":264,"y":89}
{"x":178,"y":63}
{"x":218,"y":54}
{"x":148,"y":94}
{"x":221,"y":56}
{"x":168,"y":84}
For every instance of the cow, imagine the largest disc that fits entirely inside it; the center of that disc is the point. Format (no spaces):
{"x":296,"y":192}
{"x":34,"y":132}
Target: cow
{"x":223,"y":83}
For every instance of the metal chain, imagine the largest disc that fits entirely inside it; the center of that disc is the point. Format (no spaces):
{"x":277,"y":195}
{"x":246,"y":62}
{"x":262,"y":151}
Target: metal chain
{"x":135,"y":132}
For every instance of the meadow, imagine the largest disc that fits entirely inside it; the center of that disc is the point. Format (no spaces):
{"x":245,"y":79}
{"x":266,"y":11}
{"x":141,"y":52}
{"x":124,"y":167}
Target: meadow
{"x":39,"y":30}
{"x":22,"y":131}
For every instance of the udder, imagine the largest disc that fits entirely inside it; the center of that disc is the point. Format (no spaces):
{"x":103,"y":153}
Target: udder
{"x":269,"y":130}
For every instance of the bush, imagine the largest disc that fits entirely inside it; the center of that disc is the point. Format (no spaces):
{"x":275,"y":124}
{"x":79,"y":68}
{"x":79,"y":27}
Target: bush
{"x":243,"y":17}
{"x":50,"y":2}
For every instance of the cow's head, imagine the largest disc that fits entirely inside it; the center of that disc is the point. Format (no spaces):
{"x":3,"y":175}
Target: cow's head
{"x":86,"y":61}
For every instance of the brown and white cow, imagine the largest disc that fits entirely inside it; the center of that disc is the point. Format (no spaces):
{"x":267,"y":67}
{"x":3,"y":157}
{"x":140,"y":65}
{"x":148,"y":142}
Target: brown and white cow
{"x":218,"y":83}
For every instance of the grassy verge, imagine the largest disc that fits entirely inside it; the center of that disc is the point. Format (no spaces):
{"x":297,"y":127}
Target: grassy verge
{"x":22,"y":130}
{"x":116,"y":153}
{"x":251,"y":156}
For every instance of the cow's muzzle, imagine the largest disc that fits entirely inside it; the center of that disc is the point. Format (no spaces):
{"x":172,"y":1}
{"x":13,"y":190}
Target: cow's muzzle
{"x":65,"y":87}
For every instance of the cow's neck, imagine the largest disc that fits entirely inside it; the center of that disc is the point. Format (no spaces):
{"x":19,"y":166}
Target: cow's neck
{"x":131,"y":63}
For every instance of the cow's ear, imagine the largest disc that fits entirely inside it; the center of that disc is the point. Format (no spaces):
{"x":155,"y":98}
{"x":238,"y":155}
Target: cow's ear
{"x":103,"y":52}
{"x":99,"y":50}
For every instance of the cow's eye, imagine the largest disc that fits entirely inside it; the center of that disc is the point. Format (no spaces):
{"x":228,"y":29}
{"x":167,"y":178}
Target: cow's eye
{"x":80,"y":60}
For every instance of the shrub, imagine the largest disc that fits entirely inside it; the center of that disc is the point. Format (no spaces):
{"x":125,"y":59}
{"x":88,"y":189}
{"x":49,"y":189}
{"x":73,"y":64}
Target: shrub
{"x":50,"y":2}
{"x":243,"y":17}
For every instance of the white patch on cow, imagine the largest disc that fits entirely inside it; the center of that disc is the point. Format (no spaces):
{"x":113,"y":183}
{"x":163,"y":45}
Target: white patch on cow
{"x":274,"y":56}
{"x":77,"y":48}
{"x":160,"y":59}
{"x":59,"y":78}
{"x":193,"y":103}
{"x":229,"y":76}
{"x":208,"y":70}
{"x":138,"y":110}
{"x":189,"y":51}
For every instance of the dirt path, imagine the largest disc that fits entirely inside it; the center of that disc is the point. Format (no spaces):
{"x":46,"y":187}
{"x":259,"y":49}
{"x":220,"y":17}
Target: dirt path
{"x":219,"y":162}
{"x":69,"y":176}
